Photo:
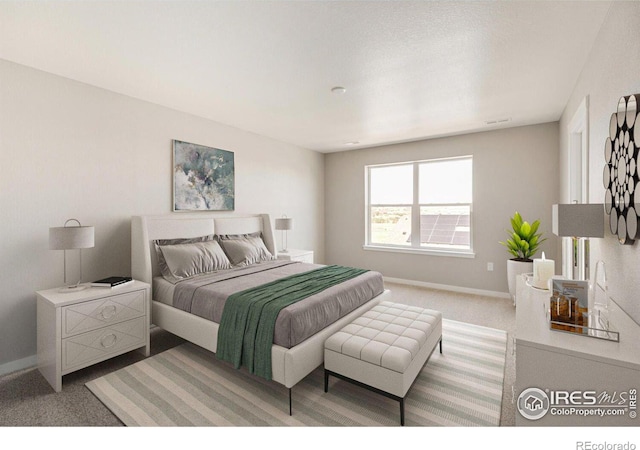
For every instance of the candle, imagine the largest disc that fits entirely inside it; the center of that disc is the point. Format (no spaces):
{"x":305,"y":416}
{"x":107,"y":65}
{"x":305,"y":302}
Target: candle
{"x":543,"y":270}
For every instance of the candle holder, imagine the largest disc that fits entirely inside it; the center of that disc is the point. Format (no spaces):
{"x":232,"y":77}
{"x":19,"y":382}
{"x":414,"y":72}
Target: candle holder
{"x":543,"y":270}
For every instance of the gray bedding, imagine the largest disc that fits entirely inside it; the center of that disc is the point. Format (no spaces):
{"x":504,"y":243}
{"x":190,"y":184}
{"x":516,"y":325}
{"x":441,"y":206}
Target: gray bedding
{"x":206,"y":295}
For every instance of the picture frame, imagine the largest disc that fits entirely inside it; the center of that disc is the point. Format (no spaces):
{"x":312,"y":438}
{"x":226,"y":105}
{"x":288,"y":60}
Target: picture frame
{"x":203,"y":178}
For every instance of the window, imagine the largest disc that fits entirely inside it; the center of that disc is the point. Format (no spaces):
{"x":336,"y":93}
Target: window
{"x":421,"y":205}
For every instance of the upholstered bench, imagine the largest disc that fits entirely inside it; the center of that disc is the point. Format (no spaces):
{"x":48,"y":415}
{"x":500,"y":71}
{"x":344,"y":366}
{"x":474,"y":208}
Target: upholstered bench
{"x":384,"y":349}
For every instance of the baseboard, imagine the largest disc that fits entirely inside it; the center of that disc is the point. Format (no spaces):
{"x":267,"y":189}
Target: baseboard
{"x":447,"y":287}
{"x":19,"y":364}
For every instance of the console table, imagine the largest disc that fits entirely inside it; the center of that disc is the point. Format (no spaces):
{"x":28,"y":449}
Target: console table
{"x":554,"y":361}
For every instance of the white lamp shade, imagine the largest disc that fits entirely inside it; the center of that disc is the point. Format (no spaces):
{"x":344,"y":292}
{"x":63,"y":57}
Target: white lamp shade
{"x":578,"y":220}
{"x":67,"y":238}
{"x":285,"y":223}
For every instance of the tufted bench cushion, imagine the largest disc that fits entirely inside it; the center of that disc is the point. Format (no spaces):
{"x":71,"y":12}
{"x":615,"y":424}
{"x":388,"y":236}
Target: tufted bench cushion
{"x":385,"y":348}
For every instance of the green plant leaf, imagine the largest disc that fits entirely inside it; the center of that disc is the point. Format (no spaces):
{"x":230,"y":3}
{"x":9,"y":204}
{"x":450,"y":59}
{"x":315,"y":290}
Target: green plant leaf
{"x":514,"y":225}
{"x":534,"y":227}
{"x":517,"y":239}
{"x":518,"y":219}
{"x":525,"y":230}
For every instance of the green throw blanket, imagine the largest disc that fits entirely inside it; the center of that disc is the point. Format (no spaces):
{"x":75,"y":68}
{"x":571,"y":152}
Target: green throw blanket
{"x":248,"y":321}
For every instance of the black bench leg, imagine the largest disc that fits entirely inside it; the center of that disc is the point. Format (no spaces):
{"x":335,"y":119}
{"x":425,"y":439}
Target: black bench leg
{"x":440,"y":345}
{"x":371,"y":388}
{"x":326,"y":381}
{"x":290,"y":410}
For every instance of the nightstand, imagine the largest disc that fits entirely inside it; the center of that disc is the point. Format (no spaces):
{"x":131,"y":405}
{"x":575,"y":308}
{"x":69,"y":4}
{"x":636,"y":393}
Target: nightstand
{"x":82,"y":328}
{"x":297,"y":255}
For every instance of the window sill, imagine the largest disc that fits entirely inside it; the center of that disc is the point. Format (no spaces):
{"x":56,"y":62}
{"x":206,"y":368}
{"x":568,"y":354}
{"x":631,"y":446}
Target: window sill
{"x":428,"y":252}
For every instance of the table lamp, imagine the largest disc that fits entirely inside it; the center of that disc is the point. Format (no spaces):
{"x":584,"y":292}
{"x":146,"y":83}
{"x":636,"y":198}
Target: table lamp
{"x":578,"y":221}
{"x":71,"y":238}
{"x":284,"y":224}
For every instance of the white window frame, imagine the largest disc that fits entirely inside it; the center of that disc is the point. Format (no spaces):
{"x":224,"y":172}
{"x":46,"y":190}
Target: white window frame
{"x":415,"y":246}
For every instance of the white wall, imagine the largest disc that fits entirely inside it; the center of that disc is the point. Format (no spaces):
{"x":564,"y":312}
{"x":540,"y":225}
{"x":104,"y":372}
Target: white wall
{"x":70,"y":150}
{"x":612,"y":71}
{"x":514,"y":170}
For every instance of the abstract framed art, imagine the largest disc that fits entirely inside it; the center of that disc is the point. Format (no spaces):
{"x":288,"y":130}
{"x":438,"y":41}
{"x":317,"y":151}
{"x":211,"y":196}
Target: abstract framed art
{"x":203,"y":178}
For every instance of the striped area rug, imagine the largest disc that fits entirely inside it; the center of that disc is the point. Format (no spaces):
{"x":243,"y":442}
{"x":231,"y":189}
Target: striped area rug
{"x":187,"y":386}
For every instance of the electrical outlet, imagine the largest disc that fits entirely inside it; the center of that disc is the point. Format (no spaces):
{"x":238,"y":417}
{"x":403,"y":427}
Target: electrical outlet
{"x":490,"y":267}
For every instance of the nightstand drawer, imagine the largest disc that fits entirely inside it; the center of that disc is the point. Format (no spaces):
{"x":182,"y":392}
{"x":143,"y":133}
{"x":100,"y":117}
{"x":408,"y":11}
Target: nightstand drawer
{"x":95,"y":314}
{"x":94,"y":346}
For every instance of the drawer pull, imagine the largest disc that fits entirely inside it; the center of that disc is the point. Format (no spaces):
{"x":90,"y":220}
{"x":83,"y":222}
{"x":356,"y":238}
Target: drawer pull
{"x":108,"y":340}
{"x":108,"y":312}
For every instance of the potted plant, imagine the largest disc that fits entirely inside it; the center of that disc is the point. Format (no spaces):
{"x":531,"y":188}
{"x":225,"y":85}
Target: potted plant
{"x":523,"y":243}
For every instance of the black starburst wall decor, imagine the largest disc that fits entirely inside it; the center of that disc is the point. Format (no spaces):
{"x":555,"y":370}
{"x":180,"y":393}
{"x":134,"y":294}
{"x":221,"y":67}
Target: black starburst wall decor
{"x":621,"y":178}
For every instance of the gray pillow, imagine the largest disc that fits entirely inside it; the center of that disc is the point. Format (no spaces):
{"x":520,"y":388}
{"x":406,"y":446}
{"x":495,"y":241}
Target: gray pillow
{"x":162,"y":264}
{"x":245,"y":249}
{"x":179,"y":259}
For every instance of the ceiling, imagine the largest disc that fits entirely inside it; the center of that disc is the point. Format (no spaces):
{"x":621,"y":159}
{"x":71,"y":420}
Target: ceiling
{"x":411,"y":70}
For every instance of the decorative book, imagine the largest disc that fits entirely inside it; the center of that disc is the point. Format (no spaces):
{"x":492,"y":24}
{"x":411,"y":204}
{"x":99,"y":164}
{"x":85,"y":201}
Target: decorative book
{"x":112,"y":282}
{"x":569,"y":305}
{"x":569,"y":311}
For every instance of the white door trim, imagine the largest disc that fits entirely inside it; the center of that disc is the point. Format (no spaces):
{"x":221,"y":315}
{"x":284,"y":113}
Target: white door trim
{"x":577,"y":186}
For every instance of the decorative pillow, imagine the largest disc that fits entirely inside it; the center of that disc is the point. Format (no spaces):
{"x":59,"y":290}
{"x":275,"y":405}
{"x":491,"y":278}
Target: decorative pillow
{"x":162,"y":264}
{"x":179,"y":259}
{"x":245,"y":249}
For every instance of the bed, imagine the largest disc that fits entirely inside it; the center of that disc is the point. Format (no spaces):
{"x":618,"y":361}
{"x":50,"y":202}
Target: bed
{"x":291,"y":359}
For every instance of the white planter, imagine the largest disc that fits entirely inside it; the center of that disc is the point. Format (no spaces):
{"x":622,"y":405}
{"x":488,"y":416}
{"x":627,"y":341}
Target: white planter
{"x":515,"y":268}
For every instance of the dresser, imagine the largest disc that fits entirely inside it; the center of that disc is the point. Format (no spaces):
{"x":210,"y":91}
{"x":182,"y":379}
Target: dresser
{"x":79,"y":329}
{"x":587,"y":381}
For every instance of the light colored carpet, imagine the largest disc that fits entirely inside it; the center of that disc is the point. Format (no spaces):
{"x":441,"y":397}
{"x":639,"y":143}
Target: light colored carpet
{"x":188,"y":386}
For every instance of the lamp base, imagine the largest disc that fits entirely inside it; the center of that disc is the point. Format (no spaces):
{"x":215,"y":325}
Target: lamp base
{"x":75,"y":288}
{"x":284,"y":250}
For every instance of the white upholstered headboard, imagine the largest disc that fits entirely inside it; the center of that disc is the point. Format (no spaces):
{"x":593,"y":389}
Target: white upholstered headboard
{"x":145,"y":229}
